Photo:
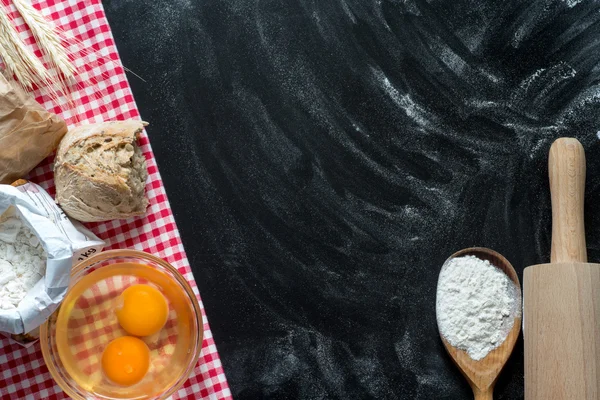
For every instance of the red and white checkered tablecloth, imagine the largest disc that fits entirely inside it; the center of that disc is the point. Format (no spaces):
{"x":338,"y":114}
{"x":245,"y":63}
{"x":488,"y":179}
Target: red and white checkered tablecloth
{"x":105,"y":95}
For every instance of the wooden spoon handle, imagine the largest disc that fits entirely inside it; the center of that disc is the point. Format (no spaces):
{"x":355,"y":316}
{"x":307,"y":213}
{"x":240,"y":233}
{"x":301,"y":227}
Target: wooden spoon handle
{"x":566,"y":168}
{"x":484,"y":394}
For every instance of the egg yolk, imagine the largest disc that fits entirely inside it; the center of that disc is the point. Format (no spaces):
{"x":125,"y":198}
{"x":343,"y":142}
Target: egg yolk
{"x":144,"y":310}
{"x":125,"y":360}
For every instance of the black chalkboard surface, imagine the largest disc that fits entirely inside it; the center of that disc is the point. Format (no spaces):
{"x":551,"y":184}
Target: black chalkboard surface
{"x":323,"y":158}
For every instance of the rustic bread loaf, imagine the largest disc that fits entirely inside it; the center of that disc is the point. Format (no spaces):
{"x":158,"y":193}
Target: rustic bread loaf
{"x":100,"y":172}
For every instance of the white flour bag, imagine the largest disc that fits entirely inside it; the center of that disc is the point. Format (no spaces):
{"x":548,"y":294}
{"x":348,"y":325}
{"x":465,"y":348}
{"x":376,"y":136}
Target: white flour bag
{"x":38,"y":246}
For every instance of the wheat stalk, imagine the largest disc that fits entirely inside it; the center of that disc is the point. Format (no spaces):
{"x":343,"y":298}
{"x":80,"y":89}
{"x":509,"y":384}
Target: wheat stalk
{"x":19,"y":61}
{"x":59,"y":72}
{"x":44,"y":33}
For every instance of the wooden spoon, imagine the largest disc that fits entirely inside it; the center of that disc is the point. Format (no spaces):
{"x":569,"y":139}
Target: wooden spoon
{"x":482,"y":374}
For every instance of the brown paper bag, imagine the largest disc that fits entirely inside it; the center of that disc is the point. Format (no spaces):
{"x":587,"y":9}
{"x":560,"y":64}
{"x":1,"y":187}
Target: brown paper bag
{"x":28,"y":133}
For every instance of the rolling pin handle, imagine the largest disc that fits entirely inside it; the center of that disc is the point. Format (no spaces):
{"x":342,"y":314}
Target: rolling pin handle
{"x":566,"y":170}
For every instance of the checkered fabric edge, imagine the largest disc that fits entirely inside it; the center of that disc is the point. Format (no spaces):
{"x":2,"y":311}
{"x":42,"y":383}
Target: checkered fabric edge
{"x":103,"y":94}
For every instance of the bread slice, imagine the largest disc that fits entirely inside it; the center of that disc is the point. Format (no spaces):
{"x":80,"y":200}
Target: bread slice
{"x":100,"y":172}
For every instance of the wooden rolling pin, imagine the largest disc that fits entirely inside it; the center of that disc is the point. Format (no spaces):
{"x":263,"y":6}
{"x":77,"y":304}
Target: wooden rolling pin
{"x":561,"y":300}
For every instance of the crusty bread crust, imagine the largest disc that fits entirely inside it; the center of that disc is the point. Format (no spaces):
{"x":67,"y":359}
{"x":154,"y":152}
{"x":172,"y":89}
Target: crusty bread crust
{"x":100,"y":172}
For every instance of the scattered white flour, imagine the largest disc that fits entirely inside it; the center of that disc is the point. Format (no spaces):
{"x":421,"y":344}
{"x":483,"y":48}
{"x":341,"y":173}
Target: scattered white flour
{"x":572,"y":3}
{"x":22,"y":262}
{"x":476,"y":305}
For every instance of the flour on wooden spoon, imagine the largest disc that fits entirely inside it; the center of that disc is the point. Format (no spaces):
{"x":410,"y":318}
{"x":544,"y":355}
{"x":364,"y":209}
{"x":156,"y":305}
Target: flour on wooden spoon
{"x":476,"y":305}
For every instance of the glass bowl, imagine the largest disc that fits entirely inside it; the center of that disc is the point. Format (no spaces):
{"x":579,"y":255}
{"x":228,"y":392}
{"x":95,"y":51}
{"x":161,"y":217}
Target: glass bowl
{"x":74,"y":337}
